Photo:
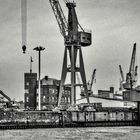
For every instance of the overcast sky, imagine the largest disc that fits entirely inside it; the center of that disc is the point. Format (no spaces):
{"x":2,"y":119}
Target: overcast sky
{"x":115,"y":26}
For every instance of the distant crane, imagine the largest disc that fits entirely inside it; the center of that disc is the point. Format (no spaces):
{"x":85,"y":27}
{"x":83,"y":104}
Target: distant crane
{"x":6,"y":97}
{"x":122,"y":78}
{"x":131,"y":76}
{"x":90,"y":84}
{"x":73,"y":40}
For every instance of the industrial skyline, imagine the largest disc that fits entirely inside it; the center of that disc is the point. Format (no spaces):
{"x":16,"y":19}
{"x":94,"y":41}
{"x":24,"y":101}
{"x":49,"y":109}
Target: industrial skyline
{"x":114,"y":25}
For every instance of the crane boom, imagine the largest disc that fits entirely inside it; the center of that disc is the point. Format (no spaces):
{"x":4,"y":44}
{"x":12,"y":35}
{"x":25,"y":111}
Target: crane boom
{"x":132,"y":64}
{"x":131,"y":75}
{"x":5,"y":96}
{"x":121,"y":72}
{"x":92,"y":79}
{"x":60,"y":17}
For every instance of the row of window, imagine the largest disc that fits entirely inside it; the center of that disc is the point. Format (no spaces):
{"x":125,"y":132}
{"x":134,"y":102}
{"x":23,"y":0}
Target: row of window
{"x":52,"y":91}
{"x":65,"y":99}
{"x":52,"y":99}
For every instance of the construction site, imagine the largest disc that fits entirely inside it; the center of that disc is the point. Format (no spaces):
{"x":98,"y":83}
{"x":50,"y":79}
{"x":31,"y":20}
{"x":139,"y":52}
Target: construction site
{"x":52,"y":102}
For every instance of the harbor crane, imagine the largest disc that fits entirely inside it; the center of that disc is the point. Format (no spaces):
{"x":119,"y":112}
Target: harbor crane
{"x":90,"y":84}
{"x":122,"y":78}
{"x":9,"y":101}
{"x":75,"y":37}
{"x":131,"y":76}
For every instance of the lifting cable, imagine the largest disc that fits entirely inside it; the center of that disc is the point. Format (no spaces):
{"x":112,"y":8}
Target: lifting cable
{"x":24,"y":24}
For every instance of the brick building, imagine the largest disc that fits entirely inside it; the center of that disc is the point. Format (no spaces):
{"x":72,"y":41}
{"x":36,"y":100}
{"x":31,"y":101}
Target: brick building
{"x":49,"y":93}
{"x":30,"y":80}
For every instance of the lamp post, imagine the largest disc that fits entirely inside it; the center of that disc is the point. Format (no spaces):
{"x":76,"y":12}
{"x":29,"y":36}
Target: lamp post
{"x":39,"y":49}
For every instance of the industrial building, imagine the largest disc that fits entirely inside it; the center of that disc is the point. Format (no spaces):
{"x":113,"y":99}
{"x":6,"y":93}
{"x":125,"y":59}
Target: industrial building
{"x":106,"y":93}
{"x":49,"y":92}
{"x":108,"y":102}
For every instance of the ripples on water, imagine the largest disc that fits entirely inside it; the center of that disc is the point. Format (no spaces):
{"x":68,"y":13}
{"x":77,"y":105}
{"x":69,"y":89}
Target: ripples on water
{"x":90,"y":133}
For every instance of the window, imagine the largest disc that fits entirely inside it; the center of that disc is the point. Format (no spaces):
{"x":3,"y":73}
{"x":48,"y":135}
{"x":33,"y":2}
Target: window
{"x":26,"y":90}
{"x":50,"y":91}
{"x":52,"y":99}
{"x":62,"y":100}
{"x":44,"y":98}
{"x":27,"y":99}
{"x":27,"y":83}
{"x":68,"y":99}
{"x":44,"y":107}
{"x":56,"y":91}
{"x":55,"y":99}
{"x":53,"y":91}
{"x":68,"y":92}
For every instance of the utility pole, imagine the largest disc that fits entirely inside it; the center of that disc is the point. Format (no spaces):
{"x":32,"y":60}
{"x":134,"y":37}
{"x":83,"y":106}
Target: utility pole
{"x":39,"y":49}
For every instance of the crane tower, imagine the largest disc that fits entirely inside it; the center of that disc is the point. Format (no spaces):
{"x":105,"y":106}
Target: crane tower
{"x":74,"y":40}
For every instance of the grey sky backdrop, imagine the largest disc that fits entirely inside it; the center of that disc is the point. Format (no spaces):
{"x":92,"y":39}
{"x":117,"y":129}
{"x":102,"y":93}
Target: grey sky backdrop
{"x":115,"y":26}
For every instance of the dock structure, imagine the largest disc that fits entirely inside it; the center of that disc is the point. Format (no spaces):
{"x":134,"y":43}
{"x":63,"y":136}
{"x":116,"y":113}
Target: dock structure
{"x":82,"y":117}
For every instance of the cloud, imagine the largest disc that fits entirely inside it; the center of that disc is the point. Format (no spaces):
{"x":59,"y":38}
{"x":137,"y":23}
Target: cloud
{"x":114,"y":24}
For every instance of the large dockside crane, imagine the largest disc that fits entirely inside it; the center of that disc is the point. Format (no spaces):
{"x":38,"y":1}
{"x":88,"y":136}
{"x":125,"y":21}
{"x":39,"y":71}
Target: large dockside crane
{"x":131,"y":76}
{"x":73,"y":40}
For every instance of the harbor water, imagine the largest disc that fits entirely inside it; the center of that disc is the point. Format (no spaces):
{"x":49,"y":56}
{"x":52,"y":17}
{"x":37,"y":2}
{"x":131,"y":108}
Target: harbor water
{"x":89,"y":133}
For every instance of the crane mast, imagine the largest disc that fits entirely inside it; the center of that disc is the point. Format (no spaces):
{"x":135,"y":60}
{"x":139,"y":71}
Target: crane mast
{"x":121,"y":72}
{"x":132,"y":64}
{"x":122,"y":78}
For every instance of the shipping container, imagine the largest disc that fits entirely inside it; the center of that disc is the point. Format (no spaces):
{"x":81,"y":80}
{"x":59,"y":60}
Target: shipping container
{"x":101,"y":116}
{"x":120,"y":116}
{"x":134,"y":116}
{"x":128,"y":116}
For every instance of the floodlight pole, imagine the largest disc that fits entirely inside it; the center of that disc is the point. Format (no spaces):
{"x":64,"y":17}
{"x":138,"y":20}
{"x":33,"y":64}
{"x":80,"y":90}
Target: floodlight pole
{"x":39,"y":49}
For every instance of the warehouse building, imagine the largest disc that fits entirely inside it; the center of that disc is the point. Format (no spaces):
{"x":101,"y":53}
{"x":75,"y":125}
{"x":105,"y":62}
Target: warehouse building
{"x":107,"y":102}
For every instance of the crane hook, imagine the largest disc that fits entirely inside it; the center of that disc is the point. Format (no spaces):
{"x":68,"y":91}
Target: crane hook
{"x":24,"y":48}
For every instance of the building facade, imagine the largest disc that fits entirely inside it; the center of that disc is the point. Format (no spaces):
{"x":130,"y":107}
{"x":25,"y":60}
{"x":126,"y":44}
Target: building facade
{"x":106,"y":93}
{"x":49,"y":92}
{"x":30,"y":80}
